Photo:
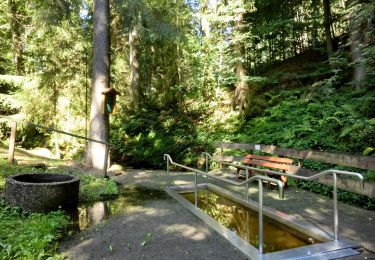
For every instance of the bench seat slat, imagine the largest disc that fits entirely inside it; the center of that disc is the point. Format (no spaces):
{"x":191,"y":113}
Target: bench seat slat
{"x":278,"y":166}
{"x":269,"y":158}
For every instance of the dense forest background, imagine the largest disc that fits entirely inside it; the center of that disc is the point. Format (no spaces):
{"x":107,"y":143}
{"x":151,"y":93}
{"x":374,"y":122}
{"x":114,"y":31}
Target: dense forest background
{"x":292,"y":73}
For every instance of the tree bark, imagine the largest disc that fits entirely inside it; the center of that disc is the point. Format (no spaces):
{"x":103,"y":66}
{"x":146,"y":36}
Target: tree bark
{"x":327,"y":26}
{"x":315,"y":17}
{"x":99,"y":124}
{"x":241,"y":86}
{"x":16,"y":37}
{"x":360,"y":29}
{"x":134,"y":69}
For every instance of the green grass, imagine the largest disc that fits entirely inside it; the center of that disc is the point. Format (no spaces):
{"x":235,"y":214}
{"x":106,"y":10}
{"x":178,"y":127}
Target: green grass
{"x":29,"y":235}
{"x":35,"y":236}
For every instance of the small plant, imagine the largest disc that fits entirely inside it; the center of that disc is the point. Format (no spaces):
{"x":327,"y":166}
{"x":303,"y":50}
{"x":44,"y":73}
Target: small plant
{"x":29,"y":235}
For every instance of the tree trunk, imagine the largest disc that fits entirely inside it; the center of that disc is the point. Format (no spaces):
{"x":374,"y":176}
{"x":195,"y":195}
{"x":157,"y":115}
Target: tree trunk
{"x":327,"y":26}
{"x":99,"y":125}
{"x":360,"y":29}
{"x":315,"y":17}
{"x":283,"y":35}
{"x":240,"y":91}
{"x":134,"y":69}
{"x":16,"y":37}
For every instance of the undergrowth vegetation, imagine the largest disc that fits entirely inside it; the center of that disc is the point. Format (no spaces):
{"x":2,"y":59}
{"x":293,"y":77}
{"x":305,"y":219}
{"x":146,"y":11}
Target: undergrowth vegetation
{"x":33,"y":235}
{"x":342,"y":122}
{"x":142,"y":138}
{"x":29,"y":235}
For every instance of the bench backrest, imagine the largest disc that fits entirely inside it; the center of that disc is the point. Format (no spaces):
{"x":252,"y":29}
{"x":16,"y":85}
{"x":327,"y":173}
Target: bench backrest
{"x":279,"y":163}
{"x":284,"y":164}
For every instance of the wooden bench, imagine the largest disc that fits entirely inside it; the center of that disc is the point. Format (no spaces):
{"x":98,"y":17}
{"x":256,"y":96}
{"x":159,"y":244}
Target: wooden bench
{"x":267,"y":162}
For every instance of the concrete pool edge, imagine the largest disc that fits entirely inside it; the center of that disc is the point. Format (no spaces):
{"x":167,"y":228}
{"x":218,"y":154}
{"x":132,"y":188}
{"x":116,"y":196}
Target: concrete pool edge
{"x":327,"y":245}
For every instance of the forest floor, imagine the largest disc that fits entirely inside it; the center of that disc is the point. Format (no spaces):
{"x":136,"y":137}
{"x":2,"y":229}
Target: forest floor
{"x":160,"y":228}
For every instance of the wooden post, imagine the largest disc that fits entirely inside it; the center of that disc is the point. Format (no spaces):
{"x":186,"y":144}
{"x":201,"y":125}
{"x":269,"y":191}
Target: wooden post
{"x":12,"y":142}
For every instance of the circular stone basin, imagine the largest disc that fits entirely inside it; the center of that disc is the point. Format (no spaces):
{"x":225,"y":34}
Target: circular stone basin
{"x":42,"y":192}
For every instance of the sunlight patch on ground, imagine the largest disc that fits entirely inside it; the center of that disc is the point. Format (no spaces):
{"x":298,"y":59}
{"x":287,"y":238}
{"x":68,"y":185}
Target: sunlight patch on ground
{"x":191,"y":232}
{"x":156,"y":212}
{"x":314,"y":212}
{"x":182,"y":182}
{"x":140,"y":211}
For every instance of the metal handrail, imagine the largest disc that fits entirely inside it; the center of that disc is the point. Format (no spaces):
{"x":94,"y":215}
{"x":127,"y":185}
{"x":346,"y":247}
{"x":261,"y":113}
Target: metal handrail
{"x":315,"y":176}
{"x":258,"y":178}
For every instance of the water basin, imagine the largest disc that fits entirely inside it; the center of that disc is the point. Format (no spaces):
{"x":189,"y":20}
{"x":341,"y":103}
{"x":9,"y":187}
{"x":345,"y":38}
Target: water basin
{"x":42,"y":192}
{"x":244,"y":222}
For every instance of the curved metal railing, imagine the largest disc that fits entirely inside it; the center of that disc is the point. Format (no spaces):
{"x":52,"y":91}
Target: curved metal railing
{"x":308,"y":178}
{"x":258,"y":178}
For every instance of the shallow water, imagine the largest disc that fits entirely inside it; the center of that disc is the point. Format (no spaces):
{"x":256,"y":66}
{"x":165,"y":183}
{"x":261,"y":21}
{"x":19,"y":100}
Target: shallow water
{"x":90,"y":214}
{"x":244,"y":222}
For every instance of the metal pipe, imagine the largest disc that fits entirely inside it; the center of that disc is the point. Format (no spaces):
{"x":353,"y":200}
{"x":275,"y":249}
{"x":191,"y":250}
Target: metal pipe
{"x":253,"y":178}
{"x":206,"y":162}
{"x":260,"y":216}
{"x":247,"y":185}
{"x":261,"y":178}
{"x":335,"y":211}
{"x":168,"y":158}
{"x":315,"y":176}
{"x":196,"y":191}
{"x":258,"y":178}
{"x":49,"y":129}
{"x":105,"y":166}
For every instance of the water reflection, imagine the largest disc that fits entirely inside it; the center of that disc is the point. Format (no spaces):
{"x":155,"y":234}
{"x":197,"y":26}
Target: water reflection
{"x":88,"y":215}
{"x":93,"y":215}
{"x":244,"y":222}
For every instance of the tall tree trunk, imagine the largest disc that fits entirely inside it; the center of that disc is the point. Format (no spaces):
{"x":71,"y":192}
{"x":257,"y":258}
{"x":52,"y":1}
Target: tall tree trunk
{"x":99,"y":125}
{"x":239,"y":98}
{"x":134,"y":69}
{"x":361,"y":27}
{"x":283,"y":36}
{"x":15,"y":28}
{"x":327,"y":26}
{"x":315,"y":17}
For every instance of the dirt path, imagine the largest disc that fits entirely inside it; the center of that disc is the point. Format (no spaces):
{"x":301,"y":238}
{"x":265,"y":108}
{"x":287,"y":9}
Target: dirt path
{"x":169,"y":231}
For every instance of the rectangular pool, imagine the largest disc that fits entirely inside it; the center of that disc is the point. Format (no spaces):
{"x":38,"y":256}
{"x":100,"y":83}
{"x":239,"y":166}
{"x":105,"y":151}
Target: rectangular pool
{"x":244,"y":222}
{"x":284,"y":236}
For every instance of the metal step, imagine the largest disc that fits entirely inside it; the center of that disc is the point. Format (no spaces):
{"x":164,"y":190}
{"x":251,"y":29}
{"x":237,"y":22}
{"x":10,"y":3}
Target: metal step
{"x":330,"y":255}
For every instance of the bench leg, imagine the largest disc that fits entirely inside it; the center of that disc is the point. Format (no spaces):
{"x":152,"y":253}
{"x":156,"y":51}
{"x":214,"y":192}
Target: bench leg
{"x":284,"y":179}
{"x":237,"y":173}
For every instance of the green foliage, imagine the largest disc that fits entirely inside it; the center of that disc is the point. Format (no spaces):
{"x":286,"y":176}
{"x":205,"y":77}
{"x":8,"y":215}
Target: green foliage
{"x":9,"y":170}
{"x":341,"y":122}
{"x":95,"y":189}
{"x":29,"y":235}
{"x":143,"y":138}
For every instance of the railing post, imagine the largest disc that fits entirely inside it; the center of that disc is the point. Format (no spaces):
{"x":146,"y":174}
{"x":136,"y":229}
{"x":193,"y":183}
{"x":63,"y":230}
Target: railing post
{"x":247,"y":185}
{"x":335,"y":210}
{"x":206,"y":162}
{"x":105,"y":166}
{"x":168,"y":165}
{"x":206,"y":177}
{"x":260,"y":216}
{"x":196,"y":190}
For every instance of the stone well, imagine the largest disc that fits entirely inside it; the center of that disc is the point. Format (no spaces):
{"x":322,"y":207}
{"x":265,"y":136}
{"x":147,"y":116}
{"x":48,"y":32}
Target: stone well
{"x":42,"y":192}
